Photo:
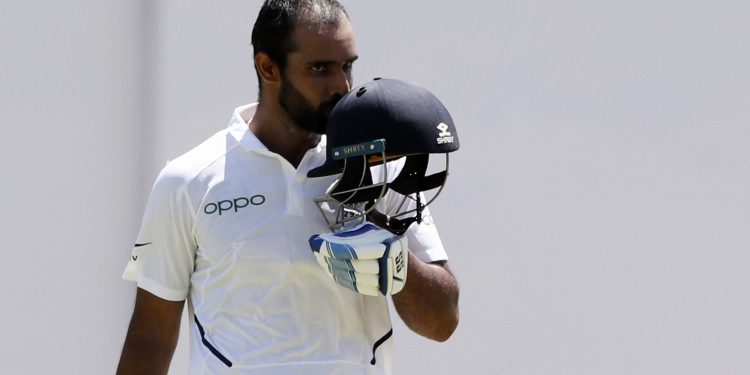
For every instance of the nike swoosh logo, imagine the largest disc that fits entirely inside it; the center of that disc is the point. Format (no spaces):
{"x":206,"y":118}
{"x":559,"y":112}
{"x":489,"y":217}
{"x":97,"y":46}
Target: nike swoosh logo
{"x":142,"y":244}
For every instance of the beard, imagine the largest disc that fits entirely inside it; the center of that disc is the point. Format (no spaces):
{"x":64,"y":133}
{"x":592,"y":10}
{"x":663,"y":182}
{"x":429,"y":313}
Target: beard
{"x":303,"y":113}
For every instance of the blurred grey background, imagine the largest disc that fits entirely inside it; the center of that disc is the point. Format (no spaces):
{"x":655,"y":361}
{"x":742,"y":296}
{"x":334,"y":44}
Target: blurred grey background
{"x":596,"y":216}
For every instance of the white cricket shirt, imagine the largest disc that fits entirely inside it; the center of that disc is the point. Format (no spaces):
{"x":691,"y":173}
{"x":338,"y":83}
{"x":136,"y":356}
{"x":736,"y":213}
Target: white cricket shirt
{"x":226,"y":227}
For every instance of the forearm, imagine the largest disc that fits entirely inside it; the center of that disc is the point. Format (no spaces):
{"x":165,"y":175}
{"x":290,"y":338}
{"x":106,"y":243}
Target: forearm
{"x":428,"y":304}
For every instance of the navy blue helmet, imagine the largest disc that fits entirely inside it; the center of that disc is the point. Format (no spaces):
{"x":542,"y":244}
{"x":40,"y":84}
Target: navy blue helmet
{"x":383,"y":120}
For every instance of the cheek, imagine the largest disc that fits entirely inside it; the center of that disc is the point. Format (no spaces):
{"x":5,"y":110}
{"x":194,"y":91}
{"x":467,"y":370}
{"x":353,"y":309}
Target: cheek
{"x":314,"y":88}
{"x":318,"y":91}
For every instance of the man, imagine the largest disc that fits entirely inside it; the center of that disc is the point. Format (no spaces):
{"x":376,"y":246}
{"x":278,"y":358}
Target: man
{"x":226,"y":225}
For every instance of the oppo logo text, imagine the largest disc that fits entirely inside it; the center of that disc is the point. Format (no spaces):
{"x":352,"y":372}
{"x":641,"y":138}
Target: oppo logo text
{"x":233,"y":205}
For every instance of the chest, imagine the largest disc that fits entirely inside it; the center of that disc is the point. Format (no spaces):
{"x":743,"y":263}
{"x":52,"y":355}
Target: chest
{"x":263,"y":209}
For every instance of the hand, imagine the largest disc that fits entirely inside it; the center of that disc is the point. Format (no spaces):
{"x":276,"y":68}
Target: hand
{"x":366,"y":259}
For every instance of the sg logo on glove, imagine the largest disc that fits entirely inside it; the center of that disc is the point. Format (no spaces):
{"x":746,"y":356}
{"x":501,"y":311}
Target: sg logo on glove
{"x":366,"y":259}
{"x":399,"y":263}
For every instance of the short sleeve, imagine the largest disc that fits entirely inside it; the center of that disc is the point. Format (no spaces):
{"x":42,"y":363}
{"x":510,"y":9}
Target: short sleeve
{"x":163,"y":256}
{"x":424,"y":240}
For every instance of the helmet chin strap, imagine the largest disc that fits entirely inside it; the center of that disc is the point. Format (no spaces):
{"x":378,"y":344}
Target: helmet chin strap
{"x":394,"y":225}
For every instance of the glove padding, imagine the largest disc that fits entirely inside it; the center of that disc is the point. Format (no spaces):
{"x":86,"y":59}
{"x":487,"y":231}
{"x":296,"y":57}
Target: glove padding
{"x":366,"y":259}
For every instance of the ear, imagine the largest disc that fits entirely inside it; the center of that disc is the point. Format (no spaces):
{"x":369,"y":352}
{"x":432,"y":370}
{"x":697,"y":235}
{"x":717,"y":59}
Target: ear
{"x":267,"y":69}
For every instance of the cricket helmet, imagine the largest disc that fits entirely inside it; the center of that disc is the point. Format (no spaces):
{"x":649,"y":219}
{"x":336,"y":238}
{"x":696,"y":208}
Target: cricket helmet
{"x":380,"y":121}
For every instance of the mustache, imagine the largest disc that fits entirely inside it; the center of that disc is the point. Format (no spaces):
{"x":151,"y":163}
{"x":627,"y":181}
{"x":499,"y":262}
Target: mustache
{"x":328,"y":104}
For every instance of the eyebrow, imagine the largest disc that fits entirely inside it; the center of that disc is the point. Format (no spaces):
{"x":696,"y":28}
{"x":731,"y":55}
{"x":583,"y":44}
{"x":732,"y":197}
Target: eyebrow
{"x":329,"y":62}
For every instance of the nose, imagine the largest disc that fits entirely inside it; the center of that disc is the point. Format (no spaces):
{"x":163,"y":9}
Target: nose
{"x":342,"y":82}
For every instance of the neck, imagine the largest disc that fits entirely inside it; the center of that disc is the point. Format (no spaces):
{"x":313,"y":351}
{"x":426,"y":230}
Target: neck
{"x":280,"y":135}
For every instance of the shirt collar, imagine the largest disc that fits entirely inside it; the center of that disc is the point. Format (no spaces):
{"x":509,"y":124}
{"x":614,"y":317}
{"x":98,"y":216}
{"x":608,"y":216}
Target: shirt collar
{"x":239,"y":129}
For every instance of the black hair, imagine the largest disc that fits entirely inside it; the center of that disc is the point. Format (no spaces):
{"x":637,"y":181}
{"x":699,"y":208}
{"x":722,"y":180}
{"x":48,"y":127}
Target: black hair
{"x":272,"y":32}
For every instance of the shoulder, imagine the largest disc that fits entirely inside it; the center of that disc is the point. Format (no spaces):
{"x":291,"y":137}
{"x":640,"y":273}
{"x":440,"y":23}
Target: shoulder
{"x":212,"y":152}
{"x":188,"y":166}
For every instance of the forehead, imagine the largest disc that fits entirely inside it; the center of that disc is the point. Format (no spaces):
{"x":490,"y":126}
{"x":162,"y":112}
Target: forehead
{"x":323,"y":42}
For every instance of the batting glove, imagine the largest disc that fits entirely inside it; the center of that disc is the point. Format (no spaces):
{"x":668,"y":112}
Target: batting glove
{"x":366,"y":259}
